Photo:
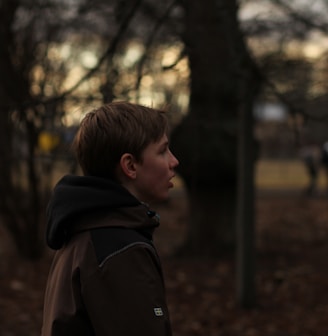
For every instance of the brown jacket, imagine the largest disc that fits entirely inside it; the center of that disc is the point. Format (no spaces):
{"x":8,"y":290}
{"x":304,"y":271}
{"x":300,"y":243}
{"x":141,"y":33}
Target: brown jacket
{"x":106,"y":279}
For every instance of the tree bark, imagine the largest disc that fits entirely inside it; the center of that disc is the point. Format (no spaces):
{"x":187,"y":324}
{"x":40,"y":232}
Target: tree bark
{"x":206,"y":140}
{"x":245,"y":238}
{"x":19,"y":202}
{"x":223,"y":82}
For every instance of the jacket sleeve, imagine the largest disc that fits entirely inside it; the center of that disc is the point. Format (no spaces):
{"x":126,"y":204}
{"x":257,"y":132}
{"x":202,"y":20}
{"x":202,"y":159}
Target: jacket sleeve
{"x":126,"y":295}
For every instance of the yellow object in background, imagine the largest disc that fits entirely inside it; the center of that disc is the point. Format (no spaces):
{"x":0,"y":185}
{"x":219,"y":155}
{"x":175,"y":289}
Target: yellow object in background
{"x":48,"y":141}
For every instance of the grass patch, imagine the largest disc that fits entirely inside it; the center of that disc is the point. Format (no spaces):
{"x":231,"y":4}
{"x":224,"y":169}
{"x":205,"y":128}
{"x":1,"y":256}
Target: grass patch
{"x":284,"y":174}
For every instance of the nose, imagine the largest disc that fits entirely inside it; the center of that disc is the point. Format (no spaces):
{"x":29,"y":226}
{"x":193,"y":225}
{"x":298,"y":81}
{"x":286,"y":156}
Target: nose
{"x":174,"y":162}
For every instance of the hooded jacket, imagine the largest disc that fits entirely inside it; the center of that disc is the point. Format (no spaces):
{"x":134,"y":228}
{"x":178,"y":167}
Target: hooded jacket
{"x":106,"y":278}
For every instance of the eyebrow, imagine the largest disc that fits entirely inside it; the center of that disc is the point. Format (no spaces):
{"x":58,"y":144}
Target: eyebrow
{"x":165,"y":144}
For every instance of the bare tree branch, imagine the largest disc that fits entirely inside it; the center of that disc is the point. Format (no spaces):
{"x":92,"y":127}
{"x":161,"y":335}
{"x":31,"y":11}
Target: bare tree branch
{"x":308,"y":21}
{"x":150,"y":41}
{"x":108,"y":52}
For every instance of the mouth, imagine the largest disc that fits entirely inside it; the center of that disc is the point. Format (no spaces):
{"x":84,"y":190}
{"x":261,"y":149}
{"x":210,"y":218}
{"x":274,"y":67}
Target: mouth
{"x":171,"y":184}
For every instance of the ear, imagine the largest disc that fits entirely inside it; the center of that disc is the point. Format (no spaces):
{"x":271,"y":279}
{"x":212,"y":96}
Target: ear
{"x":128,"y":165}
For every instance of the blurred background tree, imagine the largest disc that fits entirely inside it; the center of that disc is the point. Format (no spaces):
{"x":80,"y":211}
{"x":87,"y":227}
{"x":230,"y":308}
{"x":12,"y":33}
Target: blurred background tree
{"x":209,"y":62}
{"x":223,"y":78}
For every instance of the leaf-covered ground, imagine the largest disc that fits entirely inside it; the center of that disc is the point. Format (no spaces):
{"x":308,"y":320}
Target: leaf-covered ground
{"x":291,"y":278}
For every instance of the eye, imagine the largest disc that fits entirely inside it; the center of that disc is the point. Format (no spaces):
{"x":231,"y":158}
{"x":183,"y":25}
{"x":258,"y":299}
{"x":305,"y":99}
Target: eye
{"x":163,"y":150}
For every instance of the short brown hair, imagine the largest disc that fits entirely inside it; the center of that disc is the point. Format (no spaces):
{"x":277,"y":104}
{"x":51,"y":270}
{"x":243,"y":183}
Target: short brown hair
{"x":106,"y":133}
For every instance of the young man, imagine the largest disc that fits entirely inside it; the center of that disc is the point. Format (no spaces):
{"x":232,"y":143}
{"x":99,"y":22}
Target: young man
{"x":106,"y":278}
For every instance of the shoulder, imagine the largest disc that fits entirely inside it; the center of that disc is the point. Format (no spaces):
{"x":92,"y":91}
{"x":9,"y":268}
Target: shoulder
{"x":111,"y":241}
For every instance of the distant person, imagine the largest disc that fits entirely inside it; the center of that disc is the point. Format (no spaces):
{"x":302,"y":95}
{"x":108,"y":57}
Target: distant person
{"x":310,"y":155}
{"x":106,"y":277}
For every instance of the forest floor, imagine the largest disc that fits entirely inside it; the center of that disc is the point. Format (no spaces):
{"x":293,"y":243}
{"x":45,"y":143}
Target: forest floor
{"x":291,"y":276}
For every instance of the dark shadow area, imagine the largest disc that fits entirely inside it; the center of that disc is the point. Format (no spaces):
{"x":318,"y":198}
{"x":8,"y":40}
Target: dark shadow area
{"x":291,"y":280}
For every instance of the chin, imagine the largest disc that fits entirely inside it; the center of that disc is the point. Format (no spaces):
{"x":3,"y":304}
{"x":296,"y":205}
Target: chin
{"x":158,"y":199}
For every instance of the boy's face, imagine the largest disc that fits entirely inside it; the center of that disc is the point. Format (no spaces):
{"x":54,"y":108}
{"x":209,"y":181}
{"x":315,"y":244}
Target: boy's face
{"x":155,"y":171}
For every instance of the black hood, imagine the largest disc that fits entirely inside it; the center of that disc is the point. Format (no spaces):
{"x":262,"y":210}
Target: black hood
{"x":75,"y":196}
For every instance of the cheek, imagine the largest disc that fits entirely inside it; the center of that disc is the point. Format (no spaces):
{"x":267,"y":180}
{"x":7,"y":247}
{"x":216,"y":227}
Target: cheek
{"x":155,"y":177}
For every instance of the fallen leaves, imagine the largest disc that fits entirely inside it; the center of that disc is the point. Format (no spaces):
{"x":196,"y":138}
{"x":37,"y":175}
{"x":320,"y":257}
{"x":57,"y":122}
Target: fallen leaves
{"x":291,"y":278}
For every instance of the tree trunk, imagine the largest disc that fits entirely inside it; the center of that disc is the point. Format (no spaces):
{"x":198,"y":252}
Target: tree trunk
{"x":245,"y":256}
{"x":19,"y":197}
{"x":209,"y":173}
{"x":206,"y":141}
{"x":208,"y":223}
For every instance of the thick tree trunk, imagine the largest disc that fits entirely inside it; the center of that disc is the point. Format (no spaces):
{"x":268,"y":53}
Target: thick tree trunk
{"x":208,"y":167}
{"x":209,"y":223}
{"x":206,"y":141}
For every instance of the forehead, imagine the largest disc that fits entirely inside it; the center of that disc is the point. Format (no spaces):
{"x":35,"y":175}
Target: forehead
{"x":163,"y":140}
